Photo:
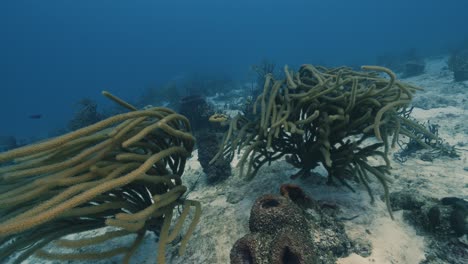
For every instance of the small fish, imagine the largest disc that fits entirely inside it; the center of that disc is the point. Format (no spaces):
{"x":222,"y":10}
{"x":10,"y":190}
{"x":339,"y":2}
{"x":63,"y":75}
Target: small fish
{"x":35,"y":116}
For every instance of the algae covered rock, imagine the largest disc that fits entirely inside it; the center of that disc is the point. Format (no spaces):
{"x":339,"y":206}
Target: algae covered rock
{"x":443,"y":223}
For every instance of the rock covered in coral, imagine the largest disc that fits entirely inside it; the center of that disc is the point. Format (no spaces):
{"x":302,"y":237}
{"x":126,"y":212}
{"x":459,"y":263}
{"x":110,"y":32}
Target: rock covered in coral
{"x":444,"y":224}
{"x":220,"y":169}
{"x":458,"y":215}
{"x":197,"y":110}
{"x":446,"y":217}
{"x":404,"y":200}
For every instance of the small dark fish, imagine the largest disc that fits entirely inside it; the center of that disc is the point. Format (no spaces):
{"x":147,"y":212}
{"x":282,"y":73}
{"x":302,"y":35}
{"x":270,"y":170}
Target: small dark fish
{"x":36,"y":116}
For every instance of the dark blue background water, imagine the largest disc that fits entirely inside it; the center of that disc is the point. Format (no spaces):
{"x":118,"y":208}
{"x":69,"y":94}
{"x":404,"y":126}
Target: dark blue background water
{"x":53,"y":53}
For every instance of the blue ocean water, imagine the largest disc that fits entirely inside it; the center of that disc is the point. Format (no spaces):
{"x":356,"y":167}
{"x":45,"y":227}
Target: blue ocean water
{"x":55,"y":52}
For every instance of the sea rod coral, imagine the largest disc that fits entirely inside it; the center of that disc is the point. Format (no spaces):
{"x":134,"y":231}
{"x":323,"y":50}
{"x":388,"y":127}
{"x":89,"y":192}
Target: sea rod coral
{"x":337,"y":117}
{"x":123,"y":173}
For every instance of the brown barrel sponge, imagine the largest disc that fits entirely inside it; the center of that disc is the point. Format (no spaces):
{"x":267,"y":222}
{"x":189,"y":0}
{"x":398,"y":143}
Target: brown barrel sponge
{"x":271,"y":213}
{"x":244,"y":251}
{"x":292,"y":247}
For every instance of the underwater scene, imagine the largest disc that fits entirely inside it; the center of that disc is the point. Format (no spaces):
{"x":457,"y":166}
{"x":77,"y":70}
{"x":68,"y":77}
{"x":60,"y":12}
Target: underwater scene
{"x":234,"y":132}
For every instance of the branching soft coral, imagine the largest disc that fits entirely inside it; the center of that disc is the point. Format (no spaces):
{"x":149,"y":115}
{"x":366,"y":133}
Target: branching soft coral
{"x":335,"y":117}
{"x":123,"y":172}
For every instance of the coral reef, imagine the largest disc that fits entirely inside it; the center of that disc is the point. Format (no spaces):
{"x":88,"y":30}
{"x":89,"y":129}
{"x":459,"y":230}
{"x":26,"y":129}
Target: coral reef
{"x":325,"y":116}
{"x":123,"y":172}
